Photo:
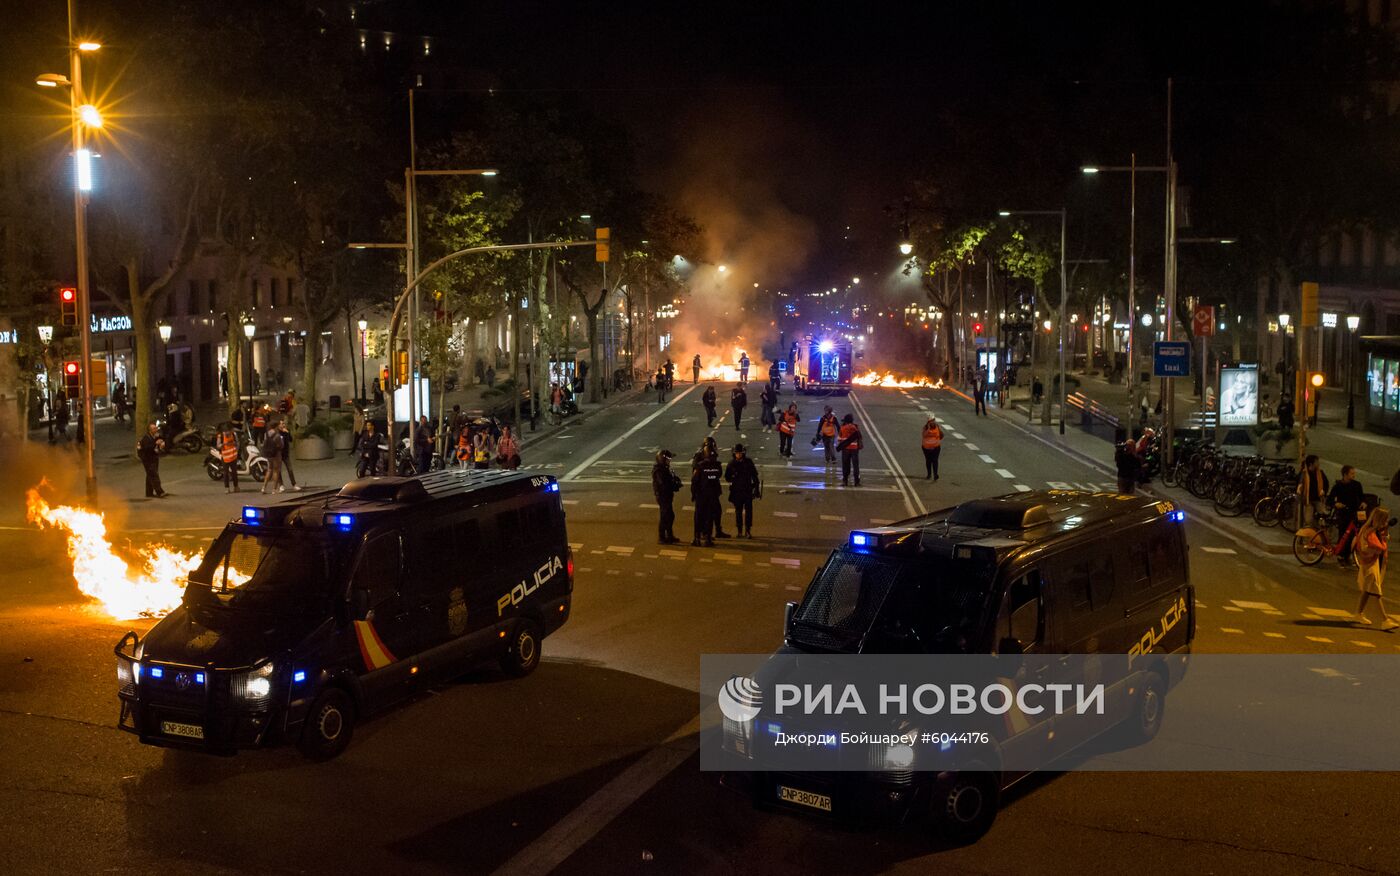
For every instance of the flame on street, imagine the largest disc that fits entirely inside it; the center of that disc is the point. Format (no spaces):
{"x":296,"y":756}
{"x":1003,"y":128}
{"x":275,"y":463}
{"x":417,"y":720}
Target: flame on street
{"x":875,"y":378}
{"x":124,"y":591}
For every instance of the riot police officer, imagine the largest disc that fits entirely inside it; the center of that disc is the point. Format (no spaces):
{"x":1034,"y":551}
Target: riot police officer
{"x":665,"y":485}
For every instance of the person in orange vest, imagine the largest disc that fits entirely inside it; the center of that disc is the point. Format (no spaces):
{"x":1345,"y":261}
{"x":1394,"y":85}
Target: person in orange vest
{"x":826,"y":434}
{"x":226,"y":442}
{"x":787,"y":427}
{"x":259,"y":423}
{"x":849,"y":444}
{"x":464,"y":447}
{"x":507,"y":451}
{"x":933,"y":443}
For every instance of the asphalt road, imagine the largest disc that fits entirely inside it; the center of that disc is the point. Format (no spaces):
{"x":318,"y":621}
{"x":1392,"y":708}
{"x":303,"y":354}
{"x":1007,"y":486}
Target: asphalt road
{"x":589,"y":765}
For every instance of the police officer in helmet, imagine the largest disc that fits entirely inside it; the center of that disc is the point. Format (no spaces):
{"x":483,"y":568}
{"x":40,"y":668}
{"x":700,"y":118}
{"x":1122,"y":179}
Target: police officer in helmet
{"x":665,"y":485}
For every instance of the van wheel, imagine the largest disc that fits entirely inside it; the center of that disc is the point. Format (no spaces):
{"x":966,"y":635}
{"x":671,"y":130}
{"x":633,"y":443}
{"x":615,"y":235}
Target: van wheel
{"x":523,"y":653}
{"x":1149,"y":709}
{"x":329,"y":725}
{"x":965,"y":809}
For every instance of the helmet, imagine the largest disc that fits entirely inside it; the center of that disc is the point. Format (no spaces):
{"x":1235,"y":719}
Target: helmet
{"x":663,"y":455}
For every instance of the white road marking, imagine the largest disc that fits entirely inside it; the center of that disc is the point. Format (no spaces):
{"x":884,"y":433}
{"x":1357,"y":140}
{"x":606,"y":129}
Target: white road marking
{"x":972,"y":447}
{"x":667,"y":552}
{"x":784,"y":514}
{"x":836,"y":518}
{"x":576,"y":545}
{"x":728,"y":558}
{"x":1322,"y":639}
{"x":1218,"y":550}
{"x":1232,"y":608}
{"x":607,"y":504}
{"x":1262,"y":606}
{"x":620,"y":549}
{"x":1006,"y":474}
{"x":651,"y":505}
{"x":987,"y":459}
{"x":1330,"y":612}
{"x":957,"y":435}
{"x":1232,"y":630}
{"x":1274,"y":635}
{"x":732,"y":583}
{"x":880,"y":521}
{"x":912,"y":502}
{"x":1022,"y":488}
{"x":1360,"y":644}
{"x":793,"y":587}
{"x":671,"y":577}
{"x":571,"y":501}
{"x":785,"y":561}
{"x":608,"y":448}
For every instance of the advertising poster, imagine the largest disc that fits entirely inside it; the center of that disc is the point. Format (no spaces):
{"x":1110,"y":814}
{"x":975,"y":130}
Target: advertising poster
{"x":1239,"y":396}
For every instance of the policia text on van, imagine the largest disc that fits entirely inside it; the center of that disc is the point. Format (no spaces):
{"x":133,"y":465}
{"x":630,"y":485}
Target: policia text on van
{"x":307,"y":614}
{"x":1030,"y":574}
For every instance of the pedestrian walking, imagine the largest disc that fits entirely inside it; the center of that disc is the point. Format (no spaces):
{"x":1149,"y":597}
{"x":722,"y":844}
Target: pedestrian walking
{"x":744,"y":487}
{"x":664,"y":486}
{"x":148,"y":450}
{"x":738,"y":400}
{"x":271,"y":448}
{"x":259,"y":423}
{"x":775,"y":377}
{"x":119,"y":402}
{"x":507,"y":450}
{"x":827,"y":428}
{"x":1037,"y":389}
{"x":424,"y":442}
{"x":1129,"y":466}
{"x":661,"y":386}
{"x":787,"y":427}
{"x":695,"y":369}
{"x":768,"y":398}
{"x":708,"y":399}
{"x":226,"y":442}
{"x":368,"y":448}
{"x":979,"y":394}
{"x":1372,"y":551}
{"x":849,"y":443}
{"x":933,"y":445}
{"x":286,"y":434}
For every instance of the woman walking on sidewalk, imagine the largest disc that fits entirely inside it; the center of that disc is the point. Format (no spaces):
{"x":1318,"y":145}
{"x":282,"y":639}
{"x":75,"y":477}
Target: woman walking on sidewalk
{"x":933,"y":444}
{"x":1370,"y":550}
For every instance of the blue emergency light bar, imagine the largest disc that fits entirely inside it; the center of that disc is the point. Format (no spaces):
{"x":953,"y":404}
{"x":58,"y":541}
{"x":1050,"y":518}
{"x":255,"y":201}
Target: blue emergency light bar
{"x":157,"y":672}
{"x":553,"y":487}
{"x":343,"y":522}
{"x":252,"y":515}
{"x":199,"y":678}
{"x":1176,"y":516}
{"x":299,"y":676}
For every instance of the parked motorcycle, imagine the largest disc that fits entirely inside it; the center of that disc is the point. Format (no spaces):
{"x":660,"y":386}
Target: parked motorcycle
{"x":251,"y":463}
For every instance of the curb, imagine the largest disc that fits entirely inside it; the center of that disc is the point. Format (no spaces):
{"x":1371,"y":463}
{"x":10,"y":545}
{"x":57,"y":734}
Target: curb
{"x":1203,"y":514}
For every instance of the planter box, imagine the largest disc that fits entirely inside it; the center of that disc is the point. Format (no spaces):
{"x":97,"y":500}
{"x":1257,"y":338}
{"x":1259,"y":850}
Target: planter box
{"x":311,"y":447}
{"x":1270,"y":448}
{"x":343,"y":440}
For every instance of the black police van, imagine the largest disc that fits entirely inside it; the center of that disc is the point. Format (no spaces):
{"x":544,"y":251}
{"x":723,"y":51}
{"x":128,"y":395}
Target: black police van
{"x":1051,"y":572}
{"x":308,"y":614}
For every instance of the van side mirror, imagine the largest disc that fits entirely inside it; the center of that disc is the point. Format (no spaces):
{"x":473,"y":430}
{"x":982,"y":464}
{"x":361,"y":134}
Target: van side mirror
{"x":1010,"y":647}
{"x":787,"y":618}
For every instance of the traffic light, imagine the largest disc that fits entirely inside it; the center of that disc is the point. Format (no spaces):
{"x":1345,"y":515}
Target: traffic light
{"x":401,"y":368}
{"x":72,"y":379}
{"x":604,"y":236}
{"x":68,"y":306}
{"x":1317,"y":379}
{"x":977,"y":328}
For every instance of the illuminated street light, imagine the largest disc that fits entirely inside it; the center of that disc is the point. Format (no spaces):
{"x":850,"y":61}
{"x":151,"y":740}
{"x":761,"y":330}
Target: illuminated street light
{"x":723,"y":268}
{"x":164,"y":331}
{"x":45,"y":334}
{"x":1283,"y":319}
{"x":88,"y":46}
{"x":1147,"y":320}
{"x":91,"y":116}
{"x":855,"y":280}
{"x":52,"y":80}
{"x":1089,"y":169}
{"x":906,"y":248}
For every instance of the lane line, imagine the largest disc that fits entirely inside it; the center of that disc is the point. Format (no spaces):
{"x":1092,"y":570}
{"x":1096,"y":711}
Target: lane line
{"x":970,"y":446}
{"x":611,"y":445}
{"x":987,"y":459}
{"x":1022,"y":488}
{"x":912,"y":501}
{"x":1006,"y":474}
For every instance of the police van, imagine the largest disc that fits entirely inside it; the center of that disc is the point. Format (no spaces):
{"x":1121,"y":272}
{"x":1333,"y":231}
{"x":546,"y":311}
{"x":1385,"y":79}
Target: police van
{"x":306,"y":615}
{"x":1037,"y":573}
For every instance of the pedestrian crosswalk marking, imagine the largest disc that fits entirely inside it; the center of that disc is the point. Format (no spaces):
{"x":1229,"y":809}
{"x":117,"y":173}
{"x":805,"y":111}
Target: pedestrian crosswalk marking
{"x":571,"y":501}
{"x":607,"y":504}
{"x":576,"y":545}
{"x":620,"y":549}
{"x":958,"y":435}
{"x":785,"y":561}
{"x":651,"y":505}
{"x":835,"y":518}
{"x":880,"y":521}
{"x":784,"y":514}
{"x":1263,"y":606}
{"x":1218,"y":550}
{"x":675,"y":555}
{"x":1233,"y":608}
{"x":1322,"y":639}
{"x":793,"y":587}
{"x":1272,"y":635}
{"x":1231,"y":630}
{"x":1361,"y":644}
{"x":1329,"y":612}
{"x":728,"y":558}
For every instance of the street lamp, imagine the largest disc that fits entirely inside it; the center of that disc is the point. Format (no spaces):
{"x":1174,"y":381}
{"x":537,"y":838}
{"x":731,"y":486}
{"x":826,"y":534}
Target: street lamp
{"x":364,"y":392}
{"x":1353,"y":323}
{"x":906,"y":248}
{"x":248,"y":331}
{"x":164,"y":330}
{"x":82,"y":115}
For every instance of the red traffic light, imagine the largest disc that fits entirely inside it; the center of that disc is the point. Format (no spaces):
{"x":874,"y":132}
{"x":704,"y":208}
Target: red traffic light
{"x":977,"y":328}
{"x":68,"y":293}
{"x":70,"y":367}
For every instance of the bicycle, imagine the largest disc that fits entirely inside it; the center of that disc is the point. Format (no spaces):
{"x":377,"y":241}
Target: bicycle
{"x":1312,"y":543}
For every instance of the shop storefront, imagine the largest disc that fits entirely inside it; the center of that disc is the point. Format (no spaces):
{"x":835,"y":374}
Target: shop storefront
{"x":1382,"y":390}
{"x":112,"y":345}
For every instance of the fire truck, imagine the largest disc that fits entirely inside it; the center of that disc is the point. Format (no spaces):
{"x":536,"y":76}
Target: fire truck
{"x":822,"y":365}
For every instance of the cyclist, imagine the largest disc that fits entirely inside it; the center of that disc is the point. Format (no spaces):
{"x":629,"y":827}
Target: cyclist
{"x":1348,"y":497}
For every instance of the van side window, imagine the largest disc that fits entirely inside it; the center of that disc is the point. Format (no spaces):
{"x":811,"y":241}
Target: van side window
{"x":1165,"y":559}
{"x":1024,"y":612}
{"x":378,"y":569}
{"x":1130,"y":563}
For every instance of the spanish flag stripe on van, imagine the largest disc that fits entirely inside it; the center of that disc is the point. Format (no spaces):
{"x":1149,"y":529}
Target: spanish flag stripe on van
{"x":372,"y":649}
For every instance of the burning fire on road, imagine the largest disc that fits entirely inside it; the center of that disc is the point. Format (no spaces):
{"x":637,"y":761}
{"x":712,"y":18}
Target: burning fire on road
{"x":875,"y":378}
{"x":148,"y":584}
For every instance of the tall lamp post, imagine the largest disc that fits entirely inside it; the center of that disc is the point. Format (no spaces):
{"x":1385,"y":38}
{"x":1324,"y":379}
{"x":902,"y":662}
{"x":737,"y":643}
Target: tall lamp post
{"x":364,"y":327}
{"x":46,"y":338}
{"x":1353,"y":323}
{"x":83,"y":115}
{"x":1064,"y":294}
{"x":249,"y":329}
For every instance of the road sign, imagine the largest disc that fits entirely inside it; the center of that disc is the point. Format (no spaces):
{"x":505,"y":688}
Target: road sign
{"x":1203,"y":321}
{"x":1171,"y":359}
{"x":782,"y":366}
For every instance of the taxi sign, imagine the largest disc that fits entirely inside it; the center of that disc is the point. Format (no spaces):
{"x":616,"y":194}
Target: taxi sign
{"x":1171,"y":359}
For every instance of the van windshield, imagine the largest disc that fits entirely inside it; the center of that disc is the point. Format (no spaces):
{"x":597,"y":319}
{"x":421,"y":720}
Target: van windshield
{"x":280,"y":571}
{"x":880,"y":605}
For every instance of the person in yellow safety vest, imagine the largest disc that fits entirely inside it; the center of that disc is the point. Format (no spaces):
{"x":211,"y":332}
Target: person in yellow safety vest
{"x":933,"y":443}
{"x":464,"y":447}
{"x":227,"y":444}
{"x":787,"y":427}
{"x":826,"y":432}
{"x":481,"y":450}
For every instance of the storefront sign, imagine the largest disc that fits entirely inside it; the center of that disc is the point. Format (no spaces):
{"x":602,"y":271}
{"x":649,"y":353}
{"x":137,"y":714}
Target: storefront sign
{"x":9,"y":336}
{"x":119,"y":323}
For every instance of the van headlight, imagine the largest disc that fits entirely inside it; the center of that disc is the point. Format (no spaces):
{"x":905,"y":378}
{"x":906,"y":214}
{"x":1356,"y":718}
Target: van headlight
{"x":738,"y":737}
{"x":255,"y":685}
{"x":899,"y":756}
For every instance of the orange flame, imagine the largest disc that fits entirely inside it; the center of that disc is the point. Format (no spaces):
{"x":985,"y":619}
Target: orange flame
{"x":153,"y":590}
{"x":875,"y":378}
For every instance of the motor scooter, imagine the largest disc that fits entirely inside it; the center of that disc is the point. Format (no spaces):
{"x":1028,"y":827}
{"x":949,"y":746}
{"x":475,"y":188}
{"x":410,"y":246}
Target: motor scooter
{"x":251,"y":463}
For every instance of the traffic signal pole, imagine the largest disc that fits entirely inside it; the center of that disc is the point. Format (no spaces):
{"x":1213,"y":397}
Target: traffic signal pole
{"x":80,"y":233}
